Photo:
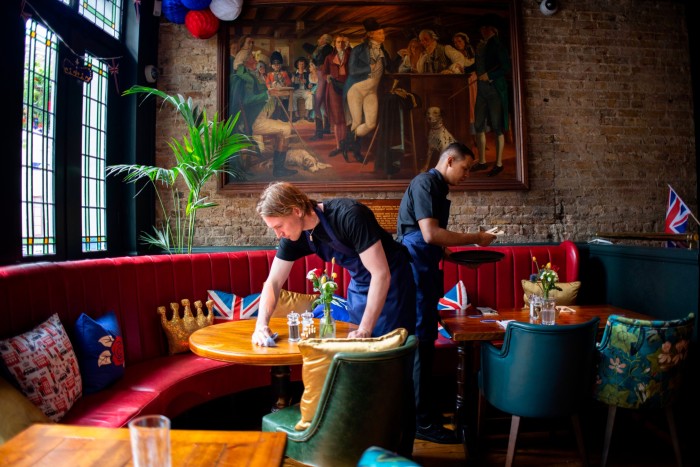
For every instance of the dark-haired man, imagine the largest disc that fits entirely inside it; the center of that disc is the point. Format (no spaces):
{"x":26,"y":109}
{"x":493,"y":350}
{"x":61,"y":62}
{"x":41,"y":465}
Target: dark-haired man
{"x":422,"y":227}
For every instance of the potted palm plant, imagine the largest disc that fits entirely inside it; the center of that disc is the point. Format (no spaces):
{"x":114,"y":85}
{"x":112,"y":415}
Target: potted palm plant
{"x":204,"y":152}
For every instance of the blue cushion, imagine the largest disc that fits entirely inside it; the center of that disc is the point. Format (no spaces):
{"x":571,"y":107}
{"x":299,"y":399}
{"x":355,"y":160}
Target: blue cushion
{"x":232,"y":307}
{"x":100,"y":351}
{"x":340,"y":310}
{"x":375,"y":456}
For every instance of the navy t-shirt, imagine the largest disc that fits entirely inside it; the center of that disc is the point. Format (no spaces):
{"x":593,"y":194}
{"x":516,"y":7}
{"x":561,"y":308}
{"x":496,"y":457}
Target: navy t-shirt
{"x":425,"y":197}
{"x":353,"y":224}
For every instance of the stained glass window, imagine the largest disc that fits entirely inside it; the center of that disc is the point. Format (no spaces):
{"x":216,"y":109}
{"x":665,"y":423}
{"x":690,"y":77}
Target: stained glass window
{"x":38,"y":127}
{"x":93,"y":201}
{"x":105,"y":14}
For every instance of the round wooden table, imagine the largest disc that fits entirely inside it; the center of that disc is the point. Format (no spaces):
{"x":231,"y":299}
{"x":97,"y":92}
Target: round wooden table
{"x":232,"y":342}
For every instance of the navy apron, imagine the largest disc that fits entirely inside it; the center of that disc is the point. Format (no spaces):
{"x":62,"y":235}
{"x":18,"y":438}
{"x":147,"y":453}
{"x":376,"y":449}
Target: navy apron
{"x":427,"y":276}
{"x":399,"y":307}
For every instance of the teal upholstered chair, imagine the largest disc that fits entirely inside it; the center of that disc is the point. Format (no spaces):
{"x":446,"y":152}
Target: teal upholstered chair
{"x":365,"y":400}
{"x":375,"y":456}
{"x":641,"y":367}
{"x":540,"y":372}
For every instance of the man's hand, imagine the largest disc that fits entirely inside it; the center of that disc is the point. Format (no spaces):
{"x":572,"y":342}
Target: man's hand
{"x":261,"y":334}
{"x":359,"y":333}
{"x":487,"y":236}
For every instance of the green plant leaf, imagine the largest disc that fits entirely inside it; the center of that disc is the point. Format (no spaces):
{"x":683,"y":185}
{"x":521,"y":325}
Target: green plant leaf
{"x":207,"y":150}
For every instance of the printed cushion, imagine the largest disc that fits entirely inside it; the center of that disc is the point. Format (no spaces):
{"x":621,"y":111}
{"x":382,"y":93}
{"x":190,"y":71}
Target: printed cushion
{"x":231,"y":307}
{"x":44,"y":364}
{"x":455,"y":299}
{"x":317,"y":355}
{"x":100,"y":349}
{"x":340,"y":309}
{"x":567,"y":296}
{"x":17,"y":412}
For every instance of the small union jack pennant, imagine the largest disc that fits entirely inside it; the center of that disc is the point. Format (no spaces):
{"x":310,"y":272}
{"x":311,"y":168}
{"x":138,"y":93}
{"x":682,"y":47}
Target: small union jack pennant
{"x":677,"y":213}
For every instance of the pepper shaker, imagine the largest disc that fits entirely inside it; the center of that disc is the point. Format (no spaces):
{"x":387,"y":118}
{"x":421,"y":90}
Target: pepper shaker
{"x":293,"y":323}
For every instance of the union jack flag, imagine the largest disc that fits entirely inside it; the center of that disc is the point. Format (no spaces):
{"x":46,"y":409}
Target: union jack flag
{"x":677,"y":214}
{"x":231,"y":307}
{"x":455,"y":299}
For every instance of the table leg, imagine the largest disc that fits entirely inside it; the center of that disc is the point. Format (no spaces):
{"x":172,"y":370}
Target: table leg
{"x":467,"y":397}
{"x":280,"y":387}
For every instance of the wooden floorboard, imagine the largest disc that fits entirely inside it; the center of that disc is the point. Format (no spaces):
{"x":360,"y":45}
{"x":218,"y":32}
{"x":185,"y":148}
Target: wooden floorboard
{"x":639,"y":440}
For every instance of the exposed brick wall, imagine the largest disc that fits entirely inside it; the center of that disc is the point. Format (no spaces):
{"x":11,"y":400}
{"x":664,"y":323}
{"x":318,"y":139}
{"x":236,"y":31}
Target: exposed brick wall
{"x":609,"y":123}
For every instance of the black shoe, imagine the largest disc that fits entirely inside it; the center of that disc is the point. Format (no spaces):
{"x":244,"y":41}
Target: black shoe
{"x":295,"y":118}
{"x":309,"y":119}
{"x":335,"y":152}
{"x":479,"y":166}
{"x":316,"y":136}
{"x":495,"y":171}
{"x":436,"y":434}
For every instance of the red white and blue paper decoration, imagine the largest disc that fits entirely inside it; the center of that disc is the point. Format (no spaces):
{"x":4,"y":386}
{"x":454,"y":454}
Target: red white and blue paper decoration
{"x":202,"y":23}
{"x":174,"y":11}
{"x":196,"y":4}
{"x":226,"y":10}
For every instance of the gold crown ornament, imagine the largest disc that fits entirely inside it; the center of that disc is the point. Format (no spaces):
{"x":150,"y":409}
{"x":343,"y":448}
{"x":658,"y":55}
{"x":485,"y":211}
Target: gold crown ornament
{"x":178,"y":329}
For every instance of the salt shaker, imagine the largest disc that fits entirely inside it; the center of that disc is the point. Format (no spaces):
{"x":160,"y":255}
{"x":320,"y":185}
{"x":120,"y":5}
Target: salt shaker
{"x":535,"y":308}
{"x":293,"y":323}
{"x":308,"y":330}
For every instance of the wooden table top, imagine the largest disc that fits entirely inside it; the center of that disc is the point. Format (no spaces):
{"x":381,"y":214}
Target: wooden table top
{"x":465,"y":327}
{"x":231,"y":342}
{"x":68,"y":445}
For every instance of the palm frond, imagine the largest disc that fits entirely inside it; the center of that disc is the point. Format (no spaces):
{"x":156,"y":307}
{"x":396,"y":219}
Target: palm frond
{"x":209,"y":148}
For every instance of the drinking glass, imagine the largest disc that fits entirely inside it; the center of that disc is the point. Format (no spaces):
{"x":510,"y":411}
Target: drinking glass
{"x":150,"y":441}
{"x":548,"y":311}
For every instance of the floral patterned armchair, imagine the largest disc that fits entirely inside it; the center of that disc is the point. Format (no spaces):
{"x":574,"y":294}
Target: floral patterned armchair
{"x":641,"y":367}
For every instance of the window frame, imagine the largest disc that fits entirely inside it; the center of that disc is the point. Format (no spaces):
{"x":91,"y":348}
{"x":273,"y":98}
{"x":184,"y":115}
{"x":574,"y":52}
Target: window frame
{"x":78,"y":36}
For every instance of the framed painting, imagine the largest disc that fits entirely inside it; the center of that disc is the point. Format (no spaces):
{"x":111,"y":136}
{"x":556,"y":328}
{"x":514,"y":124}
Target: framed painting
{"x":363,"y":96}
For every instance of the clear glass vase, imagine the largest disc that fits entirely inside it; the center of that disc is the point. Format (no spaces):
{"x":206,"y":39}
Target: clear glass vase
{"x":326,"y":325}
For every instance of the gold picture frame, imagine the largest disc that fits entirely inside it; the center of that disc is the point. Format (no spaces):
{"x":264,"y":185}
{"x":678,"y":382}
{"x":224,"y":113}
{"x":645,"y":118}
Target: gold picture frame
{"x":294,"y":28}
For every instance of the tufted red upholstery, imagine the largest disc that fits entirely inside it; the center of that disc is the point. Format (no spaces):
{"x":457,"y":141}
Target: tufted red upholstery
{"x":498,"y":284}
{"x":133,"y":287}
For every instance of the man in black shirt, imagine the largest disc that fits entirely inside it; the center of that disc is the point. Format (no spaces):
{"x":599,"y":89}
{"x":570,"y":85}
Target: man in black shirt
{"x":422,"y":227}
{"x":381,"y":293}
